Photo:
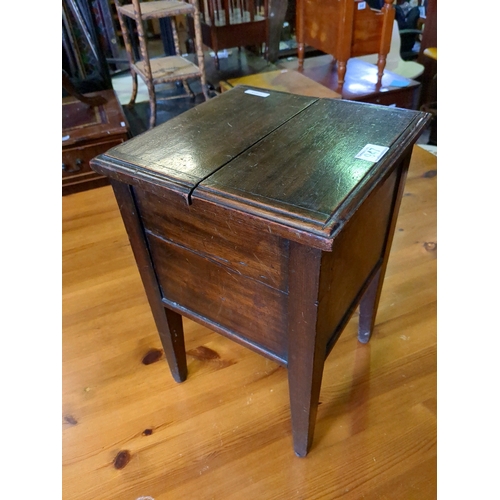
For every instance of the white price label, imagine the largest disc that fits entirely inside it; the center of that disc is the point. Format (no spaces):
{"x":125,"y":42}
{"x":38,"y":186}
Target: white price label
{"x":372,"y":152}
{"x":257,"y":93}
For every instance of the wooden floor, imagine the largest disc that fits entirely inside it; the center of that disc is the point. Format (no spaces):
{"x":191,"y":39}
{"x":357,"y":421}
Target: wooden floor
{"x":130,"y":432}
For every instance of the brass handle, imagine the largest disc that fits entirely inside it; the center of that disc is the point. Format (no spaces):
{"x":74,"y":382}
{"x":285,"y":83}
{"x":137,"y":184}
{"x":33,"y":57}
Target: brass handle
{"x":77,"y":168}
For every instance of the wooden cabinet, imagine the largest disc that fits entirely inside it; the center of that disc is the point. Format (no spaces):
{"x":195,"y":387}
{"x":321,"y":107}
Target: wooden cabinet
{"x":88,"y":131}
{"x":344,"y":29}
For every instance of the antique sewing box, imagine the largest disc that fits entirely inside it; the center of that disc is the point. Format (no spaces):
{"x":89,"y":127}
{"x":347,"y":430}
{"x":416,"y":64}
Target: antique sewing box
{"x":267,"y":217}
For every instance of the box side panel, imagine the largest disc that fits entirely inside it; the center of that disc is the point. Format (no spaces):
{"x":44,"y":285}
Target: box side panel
{"x":360,"y":248}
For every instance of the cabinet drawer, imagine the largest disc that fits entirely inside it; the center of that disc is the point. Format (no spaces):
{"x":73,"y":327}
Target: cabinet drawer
{"x":76,"y":160}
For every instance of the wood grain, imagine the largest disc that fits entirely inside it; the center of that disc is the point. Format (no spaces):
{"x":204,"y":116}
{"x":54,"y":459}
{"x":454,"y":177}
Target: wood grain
{"x":284,"y":81}
{"x":129,"y":430}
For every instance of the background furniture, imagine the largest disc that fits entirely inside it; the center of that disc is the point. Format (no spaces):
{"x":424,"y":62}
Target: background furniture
{"x":408,"y":19}
{"x":344,"y":29}
{"x":84,"y":50}
{"x":429,"y":39}
{"x":234,"y":23}
{"x":361,"y":82}
{"x":431,"y":106}
{"x":395,"y":62}
{"x":283,"y":80}
{"x":89,"y":128}
{"x":161,"y":69}
{"x":272,"y":236}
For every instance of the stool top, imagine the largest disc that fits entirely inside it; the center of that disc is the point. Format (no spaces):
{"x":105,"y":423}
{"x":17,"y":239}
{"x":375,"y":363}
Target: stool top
{"x":300,"y":162}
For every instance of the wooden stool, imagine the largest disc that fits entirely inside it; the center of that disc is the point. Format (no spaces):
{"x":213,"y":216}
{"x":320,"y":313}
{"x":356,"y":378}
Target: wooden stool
{"x":163,"y":69}
{"x":269,"y":219}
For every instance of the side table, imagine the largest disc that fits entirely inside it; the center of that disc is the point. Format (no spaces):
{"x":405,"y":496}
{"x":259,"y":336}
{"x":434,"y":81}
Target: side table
{"x":267,"y":217}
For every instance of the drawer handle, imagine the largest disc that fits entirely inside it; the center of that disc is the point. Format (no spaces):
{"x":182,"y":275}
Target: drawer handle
{"x":77,"y":168}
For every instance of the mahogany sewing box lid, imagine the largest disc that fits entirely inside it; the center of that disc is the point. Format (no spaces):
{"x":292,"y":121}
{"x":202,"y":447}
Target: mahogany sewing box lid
{"x":304,"y":163}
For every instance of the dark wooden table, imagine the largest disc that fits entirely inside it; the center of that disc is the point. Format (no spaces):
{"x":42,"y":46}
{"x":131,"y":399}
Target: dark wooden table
{"x":252,"y":215}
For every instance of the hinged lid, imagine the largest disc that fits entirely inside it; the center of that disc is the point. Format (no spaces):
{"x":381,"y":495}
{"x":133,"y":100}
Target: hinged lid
{"x":317,"y":167}
{"x":291,"y":160}
{"x":184,"y":151}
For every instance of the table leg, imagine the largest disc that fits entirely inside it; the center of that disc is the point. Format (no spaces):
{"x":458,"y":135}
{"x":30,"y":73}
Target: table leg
{"x":168,"y":322}
{"x":369,"y":302}
{"x":306,"y":353}
{"x":368,"y":308}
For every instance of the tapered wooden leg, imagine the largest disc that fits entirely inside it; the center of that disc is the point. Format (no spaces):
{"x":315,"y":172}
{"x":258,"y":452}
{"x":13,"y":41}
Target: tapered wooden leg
{"x":172,"y":339}
{"x":306,"y":352}
{"x":305,"y":372}
{"x":369,"y":302}
{"x":168,"y":323}
{"x":368,"y":308}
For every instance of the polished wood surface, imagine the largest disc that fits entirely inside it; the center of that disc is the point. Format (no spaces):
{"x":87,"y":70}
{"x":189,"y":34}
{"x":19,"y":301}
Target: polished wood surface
{"x":345,"y":29}
{"x":169,"y":157}
{"x":129,"y":430}
{"x":283,"y":80}
{"x":361,"y":81}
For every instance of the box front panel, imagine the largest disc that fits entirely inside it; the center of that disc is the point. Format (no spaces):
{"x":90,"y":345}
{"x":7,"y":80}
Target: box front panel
{"x":227,"y":269}
{"x":247,"y":308}
{"x":239,"y":243}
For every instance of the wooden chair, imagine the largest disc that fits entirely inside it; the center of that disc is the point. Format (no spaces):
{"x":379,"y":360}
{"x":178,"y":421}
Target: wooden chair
{"x":163,"y":69}
{"x":234,"y":23}
{"x":345,"y":29}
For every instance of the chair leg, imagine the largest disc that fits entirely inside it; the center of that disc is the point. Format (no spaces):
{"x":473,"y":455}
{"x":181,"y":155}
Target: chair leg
{"x":187,"y":88}
{"x":341,"y":71}
{"x":382,"y":59}
{"x":199,"y":53}
{"x":133,"y":97}
{"x":152,"y":104}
